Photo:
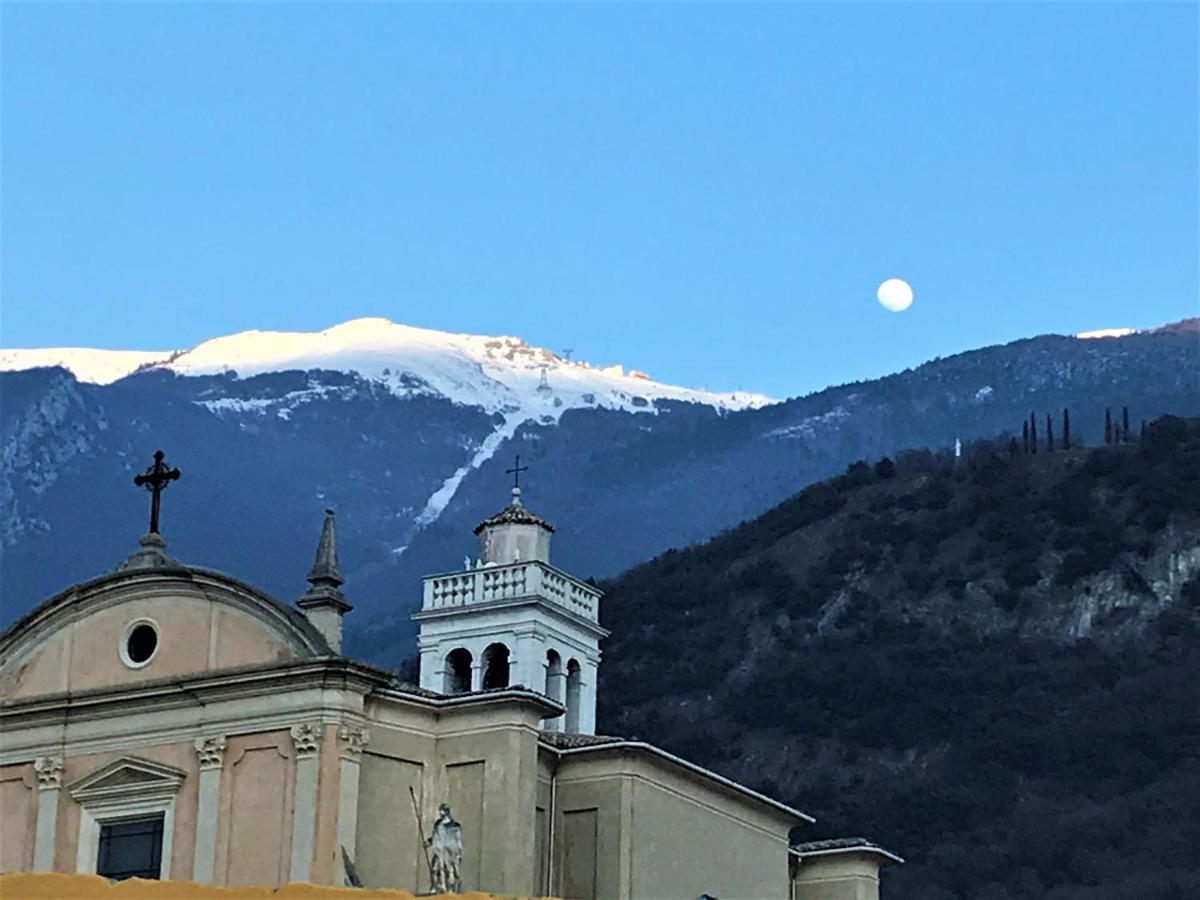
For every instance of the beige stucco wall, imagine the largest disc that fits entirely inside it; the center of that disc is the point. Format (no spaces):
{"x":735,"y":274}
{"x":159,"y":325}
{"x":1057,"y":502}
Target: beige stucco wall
{"x":254,"y":823}
{"x":851,"y":876}
{"x":632,"y":825}
{"x":254,"y":813}
{"x":179,"y":756}
{"x":590,"y":836}
{"x":18,"y":816}
{"x":480,"y":759}
{"x":194,"y":635}
{"x":686,"y":843}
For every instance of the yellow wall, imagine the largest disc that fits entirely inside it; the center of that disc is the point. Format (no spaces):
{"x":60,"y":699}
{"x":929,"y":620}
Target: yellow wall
{"x":86,"y":887}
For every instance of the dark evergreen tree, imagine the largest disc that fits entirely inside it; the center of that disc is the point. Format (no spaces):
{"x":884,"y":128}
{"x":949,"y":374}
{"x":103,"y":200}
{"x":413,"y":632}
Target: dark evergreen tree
{"x":1033,"y":433}
{"x":1066,"y":432}
{"x":1125,"y":424}
{"x":1025,"y":437}
{"x":1108,"y":434}
{"x":1049,"y":434}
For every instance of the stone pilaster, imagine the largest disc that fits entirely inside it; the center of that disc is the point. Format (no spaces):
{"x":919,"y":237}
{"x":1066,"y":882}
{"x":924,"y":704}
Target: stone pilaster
{"x":49,"y":775}
{"x":306,"y":741}
{"x":587,"y":697}
{"x":351,"y":743}
{"x":210,"y":754}
{"x":526,"y":665}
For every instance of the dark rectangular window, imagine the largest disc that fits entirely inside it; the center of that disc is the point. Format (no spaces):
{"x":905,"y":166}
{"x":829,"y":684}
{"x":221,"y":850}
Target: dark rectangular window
{"x":131,"y":849}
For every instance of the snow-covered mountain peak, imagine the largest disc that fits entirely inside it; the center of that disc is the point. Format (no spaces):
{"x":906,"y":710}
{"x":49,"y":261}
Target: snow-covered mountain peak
{"x":499,"y":373}
{"x":85,"y":363}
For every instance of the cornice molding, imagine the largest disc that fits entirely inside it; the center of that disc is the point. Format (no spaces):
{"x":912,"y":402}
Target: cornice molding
{"x":201,"y":689}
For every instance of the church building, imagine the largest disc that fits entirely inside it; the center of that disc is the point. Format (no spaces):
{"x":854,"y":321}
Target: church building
{"x":168,"y":721}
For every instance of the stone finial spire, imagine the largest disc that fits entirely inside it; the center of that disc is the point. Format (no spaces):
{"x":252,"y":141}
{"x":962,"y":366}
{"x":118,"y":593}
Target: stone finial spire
{"x":325,"y":571}
{"x":323,"y":603}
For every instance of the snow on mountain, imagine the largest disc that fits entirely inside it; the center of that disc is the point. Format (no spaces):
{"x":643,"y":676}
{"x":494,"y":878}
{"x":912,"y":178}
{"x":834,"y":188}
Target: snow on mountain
{"x":500,"y":374}
{"x":93,"y":366}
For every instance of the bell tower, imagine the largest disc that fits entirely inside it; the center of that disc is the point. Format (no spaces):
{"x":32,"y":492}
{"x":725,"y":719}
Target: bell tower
{"x":509,"y":617}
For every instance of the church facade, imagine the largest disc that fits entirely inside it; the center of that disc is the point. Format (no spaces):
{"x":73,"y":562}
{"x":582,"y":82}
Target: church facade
{"x":168,"y":721}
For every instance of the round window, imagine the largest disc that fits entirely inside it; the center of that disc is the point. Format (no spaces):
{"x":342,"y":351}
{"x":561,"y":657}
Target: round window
{"x":141,"y":640}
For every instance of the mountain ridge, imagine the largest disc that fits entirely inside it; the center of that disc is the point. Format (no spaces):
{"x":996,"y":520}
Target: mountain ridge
{"x":412,"y":472}
{"x":451,"y":364}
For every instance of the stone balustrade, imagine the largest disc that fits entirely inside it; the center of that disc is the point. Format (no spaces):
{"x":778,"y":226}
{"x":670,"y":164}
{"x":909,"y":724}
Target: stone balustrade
{"x":533,"y":579}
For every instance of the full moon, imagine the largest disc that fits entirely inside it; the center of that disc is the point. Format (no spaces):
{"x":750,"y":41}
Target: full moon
{"x":895,"y":295}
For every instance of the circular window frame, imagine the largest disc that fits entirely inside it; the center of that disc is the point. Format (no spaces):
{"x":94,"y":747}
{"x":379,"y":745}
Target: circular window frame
{"x":123,"y":647}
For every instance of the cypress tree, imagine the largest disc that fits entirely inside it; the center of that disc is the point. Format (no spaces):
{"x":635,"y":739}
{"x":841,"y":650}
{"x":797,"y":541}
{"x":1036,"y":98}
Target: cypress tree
{"x":1025,"y":436}
{"x":1066,"y":434}
{"x":1033,"y":433}
{"x":1049,"y":435}
{"x":1108,"y":435}
{"x":1125,"y":424}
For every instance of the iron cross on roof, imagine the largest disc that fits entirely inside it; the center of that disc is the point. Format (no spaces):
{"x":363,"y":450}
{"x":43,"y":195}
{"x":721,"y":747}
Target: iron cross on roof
{"x":516,"y":471}
{"x":155,"y":480}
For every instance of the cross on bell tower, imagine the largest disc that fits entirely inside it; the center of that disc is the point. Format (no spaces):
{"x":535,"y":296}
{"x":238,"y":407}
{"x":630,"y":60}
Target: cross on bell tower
{"x":515,"y":472}
{"x":155,"y":480}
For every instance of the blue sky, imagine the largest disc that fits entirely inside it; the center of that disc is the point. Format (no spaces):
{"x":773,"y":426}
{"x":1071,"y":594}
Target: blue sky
{"x":707,"y":192}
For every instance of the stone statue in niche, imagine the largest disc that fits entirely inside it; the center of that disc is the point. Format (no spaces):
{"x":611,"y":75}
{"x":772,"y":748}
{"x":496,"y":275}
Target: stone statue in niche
{"x":445,"y":863}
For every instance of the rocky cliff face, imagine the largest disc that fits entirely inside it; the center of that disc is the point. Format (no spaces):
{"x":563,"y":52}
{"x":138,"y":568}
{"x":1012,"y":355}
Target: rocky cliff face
{"x":48,"y":426}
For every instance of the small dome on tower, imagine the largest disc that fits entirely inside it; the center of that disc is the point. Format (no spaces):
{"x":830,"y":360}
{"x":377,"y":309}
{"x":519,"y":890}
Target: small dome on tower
{"x":514,"y":534}
{"x":514,"y":514}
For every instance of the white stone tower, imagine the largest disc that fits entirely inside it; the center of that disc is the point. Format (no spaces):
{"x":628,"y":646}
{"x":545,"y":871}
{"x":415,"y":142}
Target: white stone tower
{"x":511,"y":618}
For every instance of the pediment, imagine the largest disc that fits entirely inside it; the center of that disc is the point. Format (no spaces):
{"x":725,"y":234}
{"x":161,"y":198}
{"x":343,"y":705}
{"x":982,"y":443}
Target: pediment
{"x":128,"y":777}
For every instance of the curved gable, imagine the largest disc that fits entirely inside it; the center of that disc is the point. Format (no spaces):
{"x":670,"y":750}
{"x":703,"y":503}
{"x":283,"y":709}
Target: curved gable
{"x":188,"y":620}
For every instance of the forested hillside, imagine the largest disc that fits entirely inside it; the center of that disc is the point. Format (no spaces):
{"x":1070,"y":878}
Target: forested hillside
{"x":990,"y":665}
